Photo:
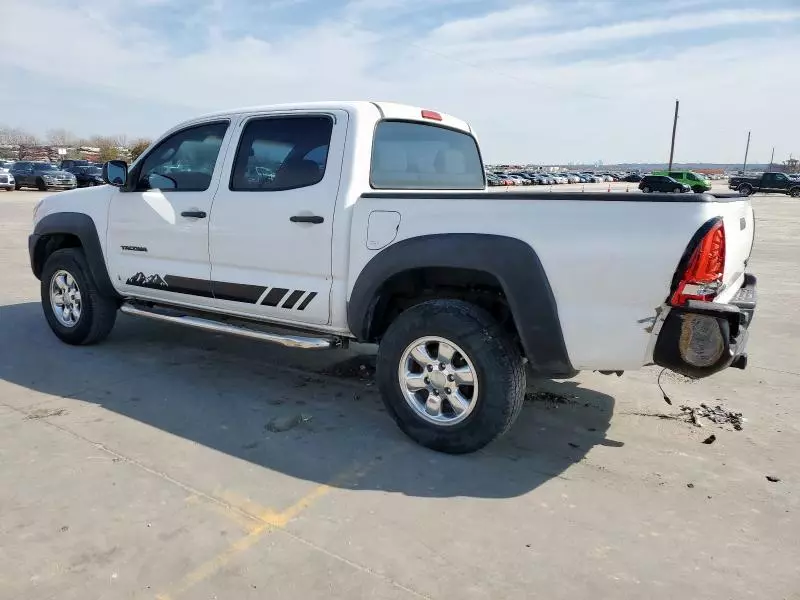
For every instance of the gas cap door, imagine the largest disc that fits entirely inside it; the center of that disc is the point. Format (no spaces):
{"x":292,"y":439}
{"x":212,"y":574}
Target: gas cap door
{"x":382,"y":228}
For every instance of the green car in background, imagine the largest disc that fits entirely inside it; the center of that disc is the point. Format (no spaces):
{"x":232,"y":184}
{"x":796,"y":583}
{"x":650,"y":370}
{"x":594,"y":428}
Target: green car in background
{"x":697,"y":182}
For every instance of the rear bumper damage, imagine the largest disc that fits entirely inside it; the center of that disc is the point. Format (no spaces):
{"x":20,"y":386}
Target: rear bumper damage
{"x":703,"y":338}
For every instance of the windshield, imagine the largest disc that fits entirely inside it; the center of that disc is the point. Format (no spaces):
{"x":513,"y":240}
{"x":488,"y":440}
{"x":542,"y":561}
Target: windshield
{"x":44,"y":167}
{"x":91,"y":170}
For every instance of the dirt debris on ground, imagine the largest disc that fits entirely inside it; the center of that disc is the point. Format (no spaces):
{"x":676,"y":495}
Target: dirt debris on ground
{"x":550,"y":399}
{"x":718,"y":415}
{"x":281,"y":424}
{"x":44,"y":413}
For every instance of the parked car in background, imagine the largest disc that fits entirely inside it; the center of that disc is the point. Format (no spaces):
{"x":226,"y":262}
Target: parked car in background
{"x":87,"y":176}
{"x":779,"y":183}
{"x":632,"y":178}
{"x":69,"y":163}
{"x":41,"y":175}
{"x":662,"y":183}
{"x":519,"y":179}
{"x":697,"y":182}
{"x":6,"y":178}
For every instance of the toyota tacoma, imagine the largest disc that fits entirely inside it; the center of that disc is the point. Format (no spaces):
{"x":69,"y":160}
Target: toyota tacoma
{"x":311,"y":225}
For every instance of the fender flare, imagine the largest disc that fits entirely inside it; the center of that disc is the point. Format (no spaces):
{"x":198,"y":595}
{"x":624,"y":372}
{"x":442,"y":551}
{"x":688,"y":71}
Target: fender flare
{"x":81,"y":226}
{"x":511,"y":261}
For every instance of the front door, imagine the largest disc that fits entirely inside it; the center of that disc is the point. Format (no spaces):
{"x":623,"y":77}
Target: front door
{"x":271,"y":222}
{"x":158,"y":224}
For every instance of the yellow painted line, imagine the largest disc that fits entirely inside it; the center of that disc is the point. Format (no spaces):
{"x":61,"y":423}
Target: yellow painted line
{"x":264,"y":521}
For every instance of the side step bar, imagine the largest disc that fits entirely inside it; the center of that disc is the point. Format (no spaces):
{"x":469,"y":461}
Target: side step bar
{"x":290,"y":341}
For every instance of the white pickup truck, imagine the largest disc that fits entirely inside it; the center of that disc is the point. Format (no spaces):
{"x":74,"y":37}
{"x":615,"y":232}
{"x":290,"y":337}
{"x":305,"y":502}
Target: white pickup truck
{"x":310,"y":225}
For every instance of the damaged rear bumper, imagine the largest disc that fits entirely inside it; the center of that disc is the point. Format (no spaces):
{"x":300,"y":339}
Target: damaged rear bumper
{"x":703,"y":338}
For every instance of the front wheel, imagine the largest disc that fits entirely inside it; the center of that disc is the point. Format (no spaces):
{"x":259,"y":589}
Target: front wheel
{"x":645,"y":190}
{"x":677,"y":190}
{"x":449,"y":375}
{"x":75,"y":310}
{"x":795,"y":192}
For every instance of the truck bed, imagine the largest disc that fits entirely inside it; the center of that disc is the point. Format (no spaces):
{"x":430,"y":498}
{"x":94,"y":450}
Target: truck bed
{"x":610,"y":258}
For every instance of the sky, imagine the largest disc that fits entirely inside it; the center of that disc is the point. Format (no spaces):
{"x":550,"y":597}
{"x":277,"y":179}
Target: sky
{"x":540,"y":81}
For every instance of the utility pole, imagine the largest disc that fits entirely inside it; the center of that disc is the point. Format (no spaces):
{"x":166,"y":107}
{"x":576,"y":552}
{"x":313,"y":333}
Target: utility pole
{"x":674,"y":128}
{"x":771,"y":158}
{"x":746,"y":150}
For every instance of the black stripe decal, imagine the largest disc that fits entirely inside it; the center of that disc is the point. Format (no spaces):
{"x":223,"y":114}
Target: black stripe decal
{"x":293,"y":298}
{"x":188,"y":285}
{"x":223,"y":290}
{"x":307,"y":301}
{"x":274,"y":296}
{"x":237,"y":292}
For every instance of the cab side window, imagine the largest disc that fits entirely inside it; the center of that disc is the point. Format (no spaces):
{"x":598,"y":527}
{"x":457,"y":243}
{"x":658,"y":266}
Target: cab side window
{"x":185,"y":161}
{"x":282,"y":153}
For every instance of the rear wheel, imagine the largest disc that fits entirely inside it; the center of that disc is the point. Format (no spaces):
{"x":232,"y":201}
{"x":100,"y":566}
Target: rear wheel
{"x":41,"y":185}
{"x":450,"y":376}
{"x":76,"y":312}
{"x":745,"y":190}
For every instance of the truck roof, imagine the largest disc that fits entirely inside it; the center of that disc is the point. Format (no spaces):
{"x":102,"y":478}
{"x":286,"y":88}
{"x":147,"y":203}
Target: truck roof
{"x":386,"y":110}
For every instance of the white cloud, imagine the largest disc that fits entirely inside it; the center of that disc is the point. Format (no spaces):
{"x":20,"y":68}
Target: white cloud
{"x":609,"y":108}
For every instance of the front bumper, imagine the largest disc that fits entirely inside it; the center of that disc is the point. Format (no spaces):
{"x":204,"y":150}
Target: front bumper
{"x":703,"y":338}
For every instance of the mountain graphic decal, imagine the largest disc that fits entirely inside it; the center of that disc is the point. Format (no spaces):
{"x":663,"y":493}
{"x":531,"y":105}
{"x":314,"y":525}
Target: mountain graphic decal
{"x":148,"y":281}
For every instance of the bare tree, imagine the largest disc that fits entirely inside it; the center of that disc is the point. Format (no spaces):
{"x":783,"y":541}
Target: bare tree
{"x":137,"y":147}
{"x":14,"y":136}
{"x":108,"y":147}
{"x":61,"y":137}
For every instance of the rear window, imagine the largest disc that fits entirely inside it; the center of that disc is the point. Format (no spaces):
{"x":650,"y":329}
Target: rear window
{"x":409,"y":155}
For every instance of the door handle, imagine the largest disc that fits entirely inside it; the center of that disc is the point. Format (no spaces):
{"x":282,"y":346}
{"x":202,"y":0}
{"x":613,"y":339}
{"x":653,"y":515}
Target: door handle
{"x":316,"y":220}
{"x":197,"y":214}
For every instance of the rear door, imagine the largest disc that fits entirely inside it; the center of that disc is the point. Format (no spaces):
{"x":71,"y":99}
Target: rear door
{"x":272,"y":218}
{"x":158,"y":227}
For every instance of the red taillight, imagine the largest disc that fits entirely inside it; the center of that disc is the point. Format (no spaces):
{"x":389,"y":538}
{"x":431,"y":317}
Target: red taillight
{"x":702,"y":277}
{"x":429,"y":114}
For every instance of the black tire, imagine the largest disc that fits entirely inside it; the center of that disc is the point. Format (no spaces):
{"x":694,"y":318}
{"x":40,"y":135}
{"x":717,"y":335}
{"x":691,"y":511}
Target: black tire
{"x":698,"y":190}
{"x":645,"y":190}
{"x":41,"y":185}
{"x":98,"y":312}
{"x":677,"y":190}
{"x":745,"y":190}
{"x":498,"y":364}
{"x":794,"y":192}
{"x":17,"y":186}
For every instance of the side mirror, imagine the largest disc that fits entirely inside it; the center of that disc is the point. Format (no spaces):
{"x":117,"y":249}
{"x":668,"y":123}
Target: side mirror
{"x":115,"y":172}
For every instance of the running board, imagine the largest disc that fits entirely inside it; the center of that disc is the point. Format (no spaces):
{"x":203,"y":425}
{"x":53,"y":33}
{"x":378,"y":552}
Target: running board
{"x":290,"y":341}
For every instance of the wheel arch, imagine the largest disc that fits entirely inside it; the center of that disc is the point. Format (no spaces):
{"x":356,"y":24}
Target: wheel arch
{"x":510,"y":263}
{"x":70,"y":230}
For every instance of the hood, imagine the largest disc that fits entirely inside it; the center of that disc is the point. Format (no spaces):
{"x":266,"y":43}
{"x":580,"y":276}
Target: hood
{"x":57,"y":173}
